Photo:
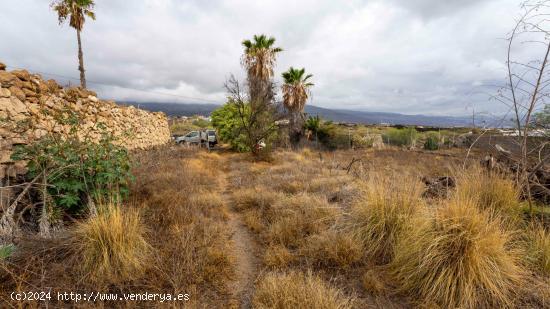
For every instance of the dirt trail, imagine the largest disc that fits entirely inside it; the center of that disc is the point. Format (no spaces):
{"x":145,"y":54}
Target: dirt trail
{"x":245,"y":251}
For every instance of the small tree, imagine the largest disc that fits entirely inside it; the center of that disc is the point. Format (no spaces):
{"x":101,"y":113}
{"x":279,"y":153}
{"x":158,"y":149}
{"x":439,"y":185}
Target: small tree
{"x":527,"y":87}
{"x":313,"y":123}
{"x":295,"y":94}
{"x":243,"y":126}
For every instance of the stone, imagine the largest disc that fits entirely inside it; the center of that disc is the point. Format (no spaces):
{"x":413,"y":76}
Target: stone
{"x":23,"y":75}
{"x":5,"y":93}
{"x":5,"y":157}
{"x":38,"y":133}
{"x":15,"y":107}
{"x":18,"y":93}
{"x":6,"y":79}
{"x":29,"y":93}
{"x":2,"y":67}
{"x":93,"y":98}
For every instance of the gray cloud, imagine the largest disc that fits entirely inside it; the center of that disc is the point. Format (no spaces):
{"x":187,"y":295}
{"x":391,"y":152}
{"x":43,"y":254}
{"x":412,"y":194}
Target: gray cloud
{"x":425,"y":56}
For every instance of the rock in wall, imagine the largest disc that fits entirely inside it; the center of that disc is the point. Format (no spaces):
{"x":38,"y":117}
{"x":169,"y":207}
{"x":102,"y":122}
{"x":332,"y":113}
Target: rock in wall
{"x":30,"y":108}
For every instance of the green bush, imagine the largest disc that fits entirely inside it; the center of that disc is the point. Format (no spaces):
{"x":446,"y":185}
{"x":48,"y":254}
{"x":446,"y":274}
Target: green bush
{"x":76,"y":168}
{"x":400,"y":137}
{"x":432,"y":142}
{"x":228,"y":120}
{"x":201,"y":123}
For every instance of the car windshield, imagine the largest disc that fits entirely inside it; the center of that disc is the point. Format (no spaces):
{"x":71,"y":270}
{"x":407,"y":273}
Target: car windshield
{"x":192,"y":134}
{"x":211,"y":133}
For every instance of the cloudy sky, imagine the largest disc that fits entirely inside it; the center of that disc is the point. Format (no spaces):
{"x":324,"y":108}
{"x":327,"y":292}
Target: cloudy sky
{"x":409,"y":56}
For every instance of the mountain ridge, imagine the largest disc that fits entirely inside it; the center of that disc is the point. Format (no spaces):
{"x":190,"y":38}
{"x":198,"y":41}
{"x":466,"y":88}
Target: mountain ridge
{"x":336,"y":115}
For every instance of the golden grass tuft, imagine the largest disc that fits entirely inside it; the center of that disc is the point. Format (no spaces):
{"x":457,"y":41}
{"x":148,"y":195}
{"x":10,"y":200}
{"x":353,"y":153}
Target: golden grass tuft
{"x":295,"y":290}
{"x":294,"y":218}
{"x":538,"y":250}
{"x":490,"y":191}
{"x":386,"y":206}
{"x":111,"y":247}
{"x":278,"y":256}
{"x":459,"y":259}
{"x":258,"y":198}
{"x":332,"y":248}
{"x":253,"y":220}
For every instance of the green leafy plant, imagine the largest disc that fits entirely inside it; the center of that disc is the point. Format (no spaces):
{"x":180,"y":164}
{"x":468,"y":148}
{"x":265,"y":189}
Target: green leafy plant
{"x":400,"y":137}
{"x":228,"y":120}
{"x":77,"y":167}
{"x":432,"y":142}
{"x":6,"y":251}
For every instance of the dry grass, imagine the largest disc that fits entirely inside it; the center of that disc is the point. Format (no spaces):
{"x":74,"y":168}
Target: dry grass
{"x":278,"y":256}
{"x":387,"y":205}
{"x":188,"y":217}
{"x":373,"y":283}
{"x":332,"y":249}
{"x":111,"y":247}
{"x":490,"y":191}
{"x":254,"y":198}
{"x":294,"y":218}
{"x":295,"y":290}
{"x":538,"y":249}
{"x":460,"y":259}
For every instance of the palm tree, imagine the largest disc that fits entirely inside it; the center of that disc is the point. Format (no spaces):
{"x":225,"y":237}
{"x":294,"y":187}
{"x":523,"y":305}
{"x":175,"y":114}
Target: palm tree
{"x":313,"y":124}
{"x":259,"y":60}
{"x":259,"y":56}
{"x":295,"y":94}
{"x":76,"y":12}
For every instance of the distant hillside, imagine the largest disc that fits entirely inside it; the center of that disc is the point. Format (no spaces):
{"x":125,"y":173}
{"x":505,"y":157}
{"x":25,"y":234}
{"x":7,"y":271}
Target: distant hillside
{"x":337,"y":115}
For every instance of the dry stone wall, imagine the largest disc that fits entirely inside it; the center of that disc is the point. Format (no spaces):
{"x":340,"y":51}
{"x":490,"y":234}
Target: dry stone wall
{"x":31,"y":107}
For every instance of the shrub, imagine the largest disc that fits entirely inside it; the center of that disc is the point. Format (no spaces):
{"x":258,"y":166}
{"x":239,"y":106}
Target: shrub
{"x":538,"y":250}
{"x":77,"y":169}
{"x":459,"y":259}
{"x":298,"y":291}
{"x":490,"y":191}
{"x":386,"y":205}
{"x":201,"y":123}
{"x":229,"y":124}
{"x":332,"y":248}
{"x":432,"y":142}
{"x":111,"y":247}
{"x":400,"y":137}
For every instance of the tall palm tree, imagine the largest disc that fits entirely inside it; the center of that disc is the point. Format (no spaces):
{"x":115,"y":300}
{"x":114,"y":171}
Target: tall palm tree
{"x":259,"y":56}
{"x":259,"y":60}
{"x":296,"y":91}
{"x":76,"y":12}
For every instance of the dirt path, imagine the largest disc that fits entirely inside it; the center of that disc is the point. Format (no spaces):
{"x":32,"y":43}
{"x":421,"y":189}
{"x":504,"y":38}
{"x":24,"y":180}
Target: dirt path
{"x":245,"y":252}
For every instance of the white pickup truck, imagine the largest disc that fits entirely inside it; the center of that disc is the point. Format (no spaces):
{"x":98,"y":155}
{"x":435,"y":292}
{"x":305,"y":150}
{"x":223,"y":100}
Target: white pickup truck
{"x":207,"y":137}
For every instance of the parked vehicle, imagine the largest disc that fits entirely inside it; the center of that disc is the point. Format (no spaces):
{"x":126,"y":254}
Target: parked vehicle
{"x":207,"y":138}
{"x":211,"y":138}
{"x":193,"y":137}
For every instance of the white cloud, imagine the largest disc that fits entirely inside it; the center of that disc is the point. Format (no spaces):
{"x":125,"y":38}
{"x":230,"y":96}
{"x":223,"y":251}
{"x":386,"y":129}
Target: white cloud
{"x":425,"y":56}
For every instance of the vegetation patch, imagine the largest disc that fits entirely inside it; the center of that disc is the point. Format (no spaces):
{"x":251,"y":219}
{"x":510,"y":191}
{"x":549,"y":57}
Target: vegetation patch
{"x":298,"y":290}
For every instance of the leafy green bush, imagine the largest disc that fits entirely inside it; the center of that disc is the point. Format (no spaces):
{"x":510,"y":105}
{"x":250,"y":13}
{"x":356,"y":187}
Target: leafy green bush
{"x":228,"y":120}
{"x":201,"y":123}
{"x":400,"y":137}
{"x":432,"y":142}
{"x":75,"y":168}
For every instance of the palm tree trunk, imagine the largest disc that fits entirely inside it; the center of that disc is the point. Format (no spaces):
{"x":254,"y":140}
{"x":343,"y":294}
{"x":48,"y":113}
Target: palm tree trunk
{"x":81,"y":61}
